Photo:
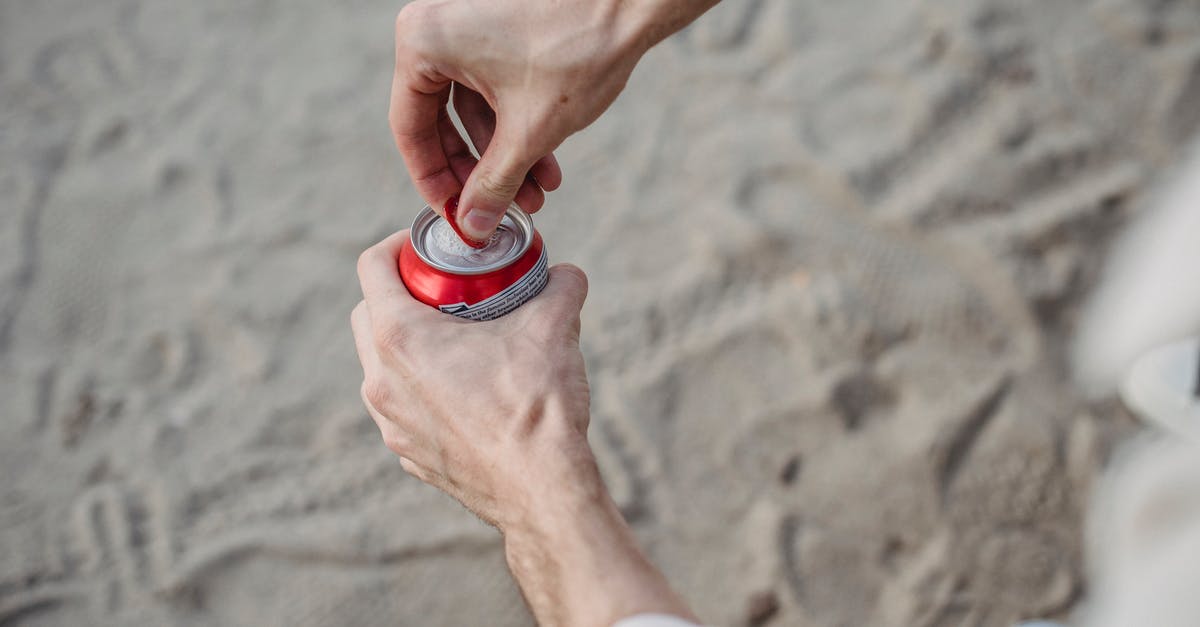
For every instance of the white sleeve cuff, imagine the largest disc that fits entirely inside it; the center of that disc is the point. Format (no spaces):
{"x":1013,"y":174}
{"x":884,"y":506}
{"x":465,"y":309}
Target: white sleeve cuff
{"x":654,"y":620}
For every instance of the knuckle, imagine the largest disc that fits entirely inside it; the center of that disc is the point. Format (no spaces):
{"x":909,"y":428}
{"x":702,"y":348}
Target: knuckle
{"x":396,"y":444}
{"x":377,"y":392}
{"x":393,"y":338}
{"x":576,"y":272}
{"x":416,"y":25}
{"x":410,"y":17}
{"x":411,"y":467}
{"x":499,"y":186}
{"x":358,"y":313}
{"x":365,"y":259}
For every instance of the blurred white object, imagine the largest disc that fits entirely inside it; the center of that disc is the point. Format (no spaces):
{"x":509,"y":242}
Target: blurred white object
{"x":1144,"y":538}
{"x":1150,"y":295}
{"x":654,"y":620}
{"x":1140,"y":336}
{"x":1162,"y":387}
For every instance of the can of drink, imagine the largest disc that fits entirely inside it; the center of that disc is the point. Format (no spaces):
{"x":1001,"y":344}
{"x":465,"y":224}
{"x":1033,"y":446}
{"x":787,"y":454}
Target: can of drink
{"x":483,"y":283}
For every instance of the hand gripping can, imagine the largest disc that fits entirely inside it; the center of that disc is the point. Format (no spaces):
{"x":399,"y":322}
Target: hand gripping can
{"x":483,"y":283}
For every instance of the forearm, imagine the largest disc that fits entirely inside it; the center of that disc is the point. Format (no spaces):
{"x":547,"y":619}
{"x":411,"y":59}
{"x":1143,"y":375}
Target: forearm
{"x":578,"y":563}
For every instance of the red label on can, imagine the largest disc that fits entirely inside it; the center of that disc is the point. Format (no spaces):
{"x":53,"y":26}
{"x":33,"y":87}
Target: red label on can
{"x":477,"y":296}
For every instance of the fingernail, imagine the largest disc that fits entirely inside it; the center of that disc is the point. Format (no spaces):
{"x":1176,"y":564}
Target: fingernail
{"x":451,"y":210}
{"x":480,"y":223}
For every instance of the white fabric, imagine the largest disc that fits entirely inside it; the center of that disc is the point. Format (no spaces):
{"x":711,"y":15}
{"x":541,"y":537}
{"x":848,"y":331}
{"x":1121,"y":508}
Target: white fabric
{"x":654,"y":620}
{"x":1161,"y":387}
{"x":1144,"y":538}
{"x":1149,"y":295}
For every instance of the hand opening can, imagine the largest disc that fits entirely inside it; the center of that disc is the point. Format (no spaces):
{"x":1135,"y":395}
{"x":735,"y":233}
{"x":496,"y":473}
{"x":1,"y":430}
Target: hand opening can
{"x":485,"y":283}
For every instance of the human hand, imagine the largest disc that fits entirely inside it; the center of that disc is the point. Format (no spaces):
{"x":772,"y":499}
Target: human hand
{"x":493,"y":413}
{"x":523,"y":77}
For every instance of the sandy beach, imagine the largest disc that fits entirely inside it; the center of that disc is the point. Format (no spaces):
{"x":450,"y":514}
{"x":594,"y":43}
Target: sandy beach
{"x":837,"y":253}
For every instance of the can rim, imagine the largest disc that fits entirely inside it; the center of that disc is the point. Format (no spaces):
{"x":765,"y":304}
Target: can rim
{"x":427,"y":217}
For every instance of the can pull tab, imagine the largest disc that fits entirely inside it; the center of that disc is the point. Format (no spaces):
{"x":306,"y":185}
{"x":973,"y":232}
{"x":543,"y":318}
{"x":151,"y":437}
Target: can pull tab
{"x":451,"y":211}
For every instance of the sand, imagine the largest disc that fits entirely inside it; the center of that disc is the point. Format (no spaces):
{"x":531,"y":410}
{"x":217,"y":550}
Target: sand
{"x":836,"y":249}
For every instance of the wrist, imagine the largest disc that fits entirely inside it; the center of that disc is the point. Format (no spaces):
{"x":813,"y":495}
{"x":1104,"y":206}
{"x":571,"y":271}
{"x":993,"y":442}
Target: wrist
{"x":577,"y":561}
{"x":645,"y":23}
{"x":557,"y":482}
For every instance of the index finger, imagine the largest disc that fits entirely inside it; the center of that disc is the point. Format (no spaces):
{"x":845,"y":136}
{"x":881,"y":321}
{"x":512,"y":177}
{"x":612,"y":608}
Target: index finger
{"x":414,"y":117}
{"x":379,"y":276}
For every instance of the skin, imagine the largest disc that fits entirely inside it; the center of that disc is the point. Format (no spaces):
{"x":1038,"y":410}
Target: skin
{"x":495,"y":414}
{"x":523,"y":75}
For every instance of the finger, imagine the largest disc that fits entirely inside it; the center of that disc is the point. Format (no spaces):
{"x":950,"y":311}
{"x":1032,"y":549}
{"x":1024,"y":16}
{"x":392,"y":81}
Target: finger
{"x":563,"y":297}
{"x":495,"y":182}
{"x":530,"y":197}
{"x":398,"y":442}
{"x":393,"y":435}
{"x":413,"y":469}
{"x":360,"y":326}
{"x":480,"y":123}
{"x":382,"y":287}
{"x":547,"y":172}
{"x":413,"y":115}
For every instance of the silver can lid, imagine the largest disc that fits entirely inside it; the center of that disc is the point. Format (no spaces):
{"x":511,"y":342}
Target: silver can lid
{"x":436,"y":243}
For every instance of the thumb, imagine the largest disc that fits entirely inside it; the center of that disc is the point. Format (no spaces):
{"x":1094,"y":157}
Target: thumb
{"x":563,"y":296}
{"x":493,"y":184}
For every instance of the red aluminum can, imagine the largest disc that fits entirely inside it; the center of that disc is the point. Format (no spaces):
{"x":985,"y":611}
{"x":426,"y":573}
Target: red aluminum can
{"x":484,"y":283}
